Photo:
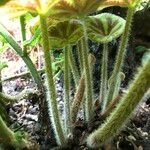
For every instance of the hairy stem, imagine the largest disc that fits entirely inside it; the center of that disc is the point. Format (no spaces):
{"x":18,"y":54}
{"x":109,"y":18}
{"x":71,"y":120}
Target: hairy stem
{"x":8,"y":137}
{"x":80,"y":57}
{"x":78,"y":99}
{"x":3,"y":112}
{"x":67,"y":91}
{"x":121,"y":77}
{"x":88,"y":77}
{"x":11,"y":99}
{"x":51,"y":91}
{"x":120,"y":55}
{"x":124,"y":109}
{"x":8,"y":37}
{"x":110,"y":107}
{"x":73,"y":66}
{"x":104,"y":84}
{"x":5,"y":133}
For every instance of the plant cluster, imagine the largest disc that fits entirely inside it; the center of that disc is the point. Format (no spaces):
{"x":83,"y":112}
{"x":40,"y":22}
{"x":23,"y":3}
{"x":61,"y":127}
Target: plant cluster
{"x":61,"y":24}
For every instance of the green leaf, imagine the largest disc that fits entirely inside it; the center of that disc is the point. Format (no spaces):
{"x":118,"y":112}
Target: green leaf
{"x":56,"y":65}
{"x":3,"y":48}
{"x":69,"y":9}
{"x":34,"y":40}
{"x":140,"y":49}
{"x":64,"y":33}
{"x":105,"y":27}
{"x":3,"y":65}
{"x":2,"y":39}
{"x":29,"y":17}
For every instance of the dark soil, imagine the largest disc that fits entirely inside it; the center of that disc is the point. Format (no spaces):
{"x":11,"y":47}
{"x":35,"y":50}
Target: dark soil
{"x":24,"y":117}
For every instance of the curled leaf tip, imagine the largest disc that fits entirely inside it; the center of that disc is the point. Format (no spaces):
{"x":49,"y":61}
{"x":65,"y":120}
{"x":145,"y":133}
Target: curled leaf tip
{"x":105,"y":27}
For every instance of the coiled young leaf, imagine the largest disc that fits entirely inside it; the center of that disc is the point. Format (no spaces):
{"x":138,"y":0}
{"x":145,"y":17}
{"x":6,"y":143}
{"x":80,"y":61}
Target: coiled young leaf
{"x":64,"y":33}
{"x":105,"y":27}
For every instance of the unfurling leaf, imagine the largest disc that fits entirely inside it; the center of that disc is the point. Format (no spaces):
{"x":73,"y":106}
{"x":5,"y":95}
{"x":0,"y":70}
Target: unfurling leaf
{"x":105,"y":27}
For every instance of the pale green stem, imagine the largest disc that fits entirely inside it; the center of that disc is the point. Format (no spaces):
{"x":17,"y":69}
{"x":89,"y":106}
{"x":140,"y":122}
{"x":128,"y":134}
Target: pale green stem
{"x":11,"y":99}
{"x":88,"y":77}
{"x":11,"y":41}
{"x":123,"y":110}
{"x":3,"y":112}
{"x":23,"y":32}
{"x":83,"y":107}
{"x":8,"y":137}
{"x":104,"y":84}
{"x":5,"y":133}
{"x":51,"y":91}
{"x":120,"y":56}
{"x":67,"y":91}
{"x":117,"y":88}
{"x":78,"y":98}
{"x":119,"y":80}
{"x":80,"y":57}
{"x":73,"y":66}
